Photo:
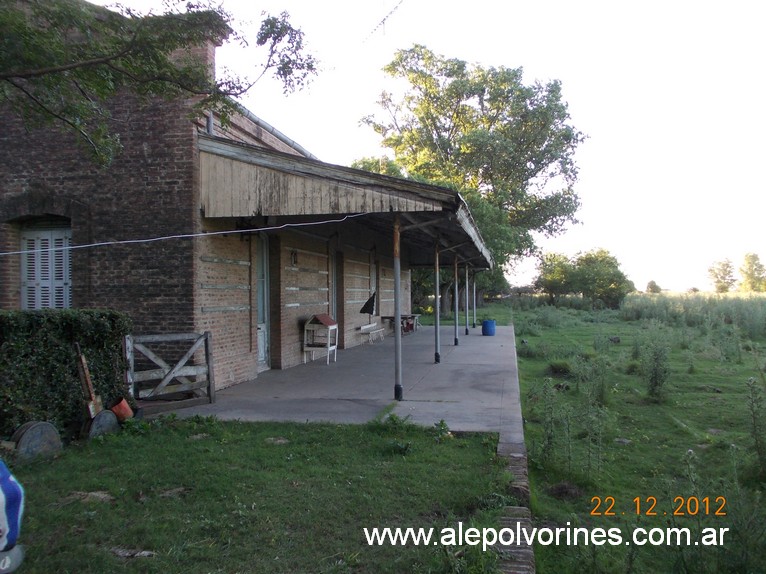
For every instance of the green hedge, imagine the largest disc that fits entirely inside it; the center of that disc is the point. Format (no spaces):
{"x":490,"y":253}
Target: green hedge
{"x":38,"y":365}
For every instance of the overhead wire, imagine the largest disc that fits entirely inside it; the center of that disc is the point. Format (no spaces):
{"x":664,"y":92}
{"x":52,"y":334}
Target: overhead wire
{"x":180,"y":236}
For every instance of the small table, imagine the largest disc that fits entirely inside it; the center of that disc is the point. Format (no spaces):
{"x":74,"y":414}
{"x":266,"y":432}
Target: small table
{"x":410,"y":321}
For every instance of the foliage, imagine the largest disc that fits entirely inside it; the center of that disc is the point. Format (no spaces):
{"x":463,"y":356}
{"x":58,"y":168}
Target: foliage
{"x":382,"y":165}
{"x":556,"y":275}
{"x":652,"y":287}
{"x":508,"y":146}
{"x":757,"y":430}
{"x":655,"y":367}
{"x":706,"y":312}
{"x":595,"y":274}
{"x":753,"y":274}
{"x":63,"y":60}
{"x":722,"y":275}
{"x":38,"y":364}
{"x":702,"y":440}
{"x":599,"y":278}
{"x":204,"y":495}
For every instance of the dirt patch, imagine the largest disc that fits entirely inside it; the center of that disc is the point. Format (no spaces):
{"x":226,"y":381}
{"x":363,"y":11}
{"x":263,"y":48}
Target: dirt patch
{"x":565,"y":491}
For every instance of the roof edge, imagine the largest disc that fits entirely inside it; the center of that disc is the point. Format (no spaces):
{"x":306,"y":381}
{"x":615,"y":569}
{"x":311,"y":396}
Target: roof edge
{"x":264,"y":125}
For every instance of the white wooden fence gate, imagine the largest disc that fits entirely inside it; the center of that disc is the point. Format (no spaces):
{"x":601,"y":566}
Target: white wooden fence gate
{"x":162,"y":378}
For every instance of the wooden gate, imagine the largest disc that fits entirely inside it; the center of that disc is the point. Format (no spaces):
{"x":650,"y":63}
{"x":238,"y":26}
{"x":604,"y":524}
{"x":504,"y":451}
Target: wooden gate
{"x":161,"y":379}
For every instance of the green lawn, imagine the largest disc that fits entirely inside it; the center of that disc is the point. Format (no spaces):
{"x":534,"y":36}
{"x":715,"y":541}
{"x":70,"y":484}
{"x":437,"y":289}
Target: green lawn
{"x":500,"y":312}
{"x":202,"y":495}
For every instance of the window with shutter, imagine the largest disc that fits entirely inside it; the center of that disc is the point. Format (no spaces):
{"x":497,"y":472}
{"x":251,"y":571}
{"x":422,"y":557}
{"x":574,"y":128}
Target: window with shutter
{"x":46,"y":273}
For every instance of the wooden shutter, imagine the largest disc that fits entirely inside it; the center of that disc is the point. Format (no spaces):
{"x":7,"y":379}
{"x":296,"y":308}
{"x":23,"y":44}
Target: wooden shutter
{"x":46,"y":273}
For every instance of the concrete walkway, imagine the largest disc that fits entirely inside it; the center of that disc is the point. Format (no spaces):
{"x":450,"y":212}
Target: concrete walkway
{"x":474,"y":387}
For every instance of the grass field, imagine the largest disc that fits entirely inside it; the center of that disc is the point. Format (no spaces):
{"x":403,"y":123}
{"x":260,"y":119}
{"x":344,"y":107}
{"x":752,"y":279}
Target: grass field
{"x":650,"y":416}
{"x":204,"y":496}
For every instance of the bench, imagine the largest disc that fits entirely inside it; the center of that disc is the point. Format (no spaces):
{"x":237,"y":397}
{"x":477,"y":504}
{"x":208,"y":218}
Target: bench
{"x":372,"y":331}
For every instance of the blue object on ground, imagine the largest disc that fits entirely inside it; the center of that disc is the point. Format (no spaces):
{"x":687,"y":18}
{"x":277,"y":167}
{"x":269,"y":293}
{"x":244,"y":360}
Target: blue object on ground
{"x":11,"y":508}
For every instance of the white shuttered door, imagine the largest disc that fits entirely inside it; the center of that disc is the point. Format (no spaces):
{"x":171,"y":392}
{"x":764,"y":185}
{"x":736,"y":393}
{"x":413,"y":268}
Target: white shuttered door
{"x":46,"y":274}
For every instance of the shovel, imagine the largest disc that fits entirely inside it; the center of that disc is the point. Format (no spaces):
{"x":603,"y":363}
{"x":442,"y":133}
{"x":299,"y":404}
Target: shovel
{"x":93,"y":402}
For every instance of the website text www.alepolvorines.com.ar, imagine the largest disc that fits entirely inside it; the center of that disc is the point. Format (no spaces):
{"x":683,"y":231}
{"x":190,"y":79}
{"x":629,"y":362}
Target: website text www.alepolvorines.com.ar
{"x":559,"y":536}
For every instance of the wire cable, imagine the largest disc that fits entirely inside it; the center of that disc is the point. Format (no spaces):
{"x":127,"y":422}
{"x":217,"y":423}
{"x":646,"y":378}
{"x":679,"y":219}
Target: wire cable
{"x":181,"y":236}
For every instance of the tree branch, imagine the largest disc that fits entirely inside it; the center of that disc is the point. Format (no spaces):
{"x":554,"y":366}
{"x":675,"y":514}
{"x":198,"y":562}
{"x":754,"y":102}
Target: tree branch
{"x":26,"y":75}
{"x":54,"y":114}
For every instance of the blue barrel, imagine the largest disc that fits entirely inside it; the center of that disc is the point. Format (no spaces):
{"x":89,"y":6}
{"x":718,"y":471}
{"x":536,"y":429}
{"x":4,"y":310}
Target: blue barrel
{"x":488,"y":328}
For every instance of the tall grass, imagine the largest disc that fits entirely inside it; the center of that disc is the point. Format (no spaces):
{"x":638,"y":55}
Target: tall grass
{"x":746,"y":311}
{"x":648,"y":401}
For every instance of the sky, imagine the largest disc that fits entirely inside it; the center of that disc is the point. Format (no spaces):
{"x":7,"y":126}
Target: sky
{"x":669,"y":94}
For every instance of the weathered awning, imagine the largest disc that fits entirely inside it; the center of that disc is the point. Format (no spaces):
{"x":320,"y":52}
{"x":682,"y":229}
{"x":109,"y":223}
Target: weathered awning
{"x":242,"y":181}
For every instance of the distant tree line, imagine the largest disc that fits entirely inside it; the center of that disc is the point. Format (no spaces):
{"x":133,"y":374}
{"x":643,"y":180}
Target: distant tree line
{"x":596,"y":275}
{"x":752,"y":275}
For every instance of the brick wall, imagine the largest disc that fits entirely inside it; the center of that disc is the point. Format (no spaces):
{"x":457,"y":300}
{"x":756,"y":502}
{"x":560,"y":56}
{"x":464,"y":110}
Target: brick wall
{"x":181,"y":284}
{"x":10,"y":267}
{"x":359,"y":270}
{"x":224,"y":303}
{"x":304,"y":290}
{"x":147,"y":192}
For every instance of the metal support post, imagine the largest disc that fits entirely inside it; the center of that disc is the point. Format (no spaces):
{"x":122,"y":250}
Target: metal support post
{"x":398,"y":392}
{"x":437,"y":308}
{"x":466,"y":299}
{"x":457,"y":301}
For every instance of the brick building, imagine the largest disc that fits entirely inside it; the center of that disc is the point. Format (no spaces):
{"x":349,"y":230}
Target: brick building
{"x":258,"y":234}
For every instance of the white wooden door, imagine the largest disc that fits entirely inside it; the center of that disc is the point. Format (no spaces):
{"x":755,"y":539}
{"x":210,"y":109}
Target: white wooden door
{"x":262,"y":301}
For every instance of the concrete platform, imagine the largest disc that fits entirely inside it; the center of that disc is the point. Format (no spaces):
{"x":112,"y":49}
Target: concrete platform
{"x":474,"y":387}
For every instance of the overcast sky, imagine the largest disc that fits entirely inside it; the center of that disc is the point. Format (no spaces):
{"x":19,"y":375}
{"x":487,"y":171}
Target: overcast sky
{"x":669,"y":93}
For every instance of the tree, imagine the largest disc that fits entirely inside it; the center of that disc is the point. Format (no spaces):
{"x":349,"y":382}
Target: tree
{"x":595,"y":274}
{"x":382,"y":165}
{"x":722,"y":275}
{"x":507,"y":146}
{"x":599,"y":278}
{"x":556,"y":277}
{"x":753,"y":274}
{"x":652,"y":287}
{"x":62,"y":60}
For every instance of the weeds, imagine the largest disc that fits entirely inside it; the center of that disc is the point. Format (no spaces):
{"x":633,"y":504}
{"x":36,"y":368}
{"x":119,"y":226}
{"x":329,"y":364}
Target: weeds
{"x":655,"y":364}
{"x":755,"y":410}
{"x":549,"y":421}
{"x":442,"y":432}
{"x":698,"y":344}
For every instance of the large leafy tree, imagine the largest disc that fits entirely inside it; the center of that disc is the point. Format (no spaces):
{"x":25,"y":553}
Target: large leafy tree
{"x":556,"y":275}
{"x":753,"y":274}
{"x":595,"y":274}
{"x":722,"y":275}
{"x":508,"y":146}
{"x":62,"y":60}
{"x":599,"y":278}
